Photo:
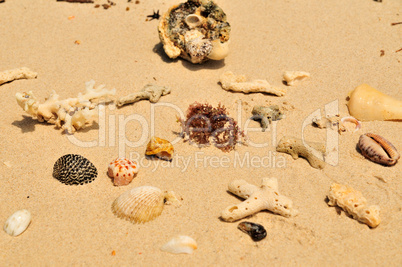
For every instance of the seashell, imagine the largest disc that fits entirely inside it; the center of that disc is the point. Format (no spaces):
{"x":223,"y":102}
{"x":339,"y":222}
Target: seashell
{"x":368,"y":104}
{"x":195,"y":15}
{"x":378,"y":149}
{"x":73,"y":169}
{"x":140,"y":204}
{"x":352,"y":120}
{"x":256,"y":231}
{"x":122,"y":171}
{"x":219,"y":50}
{"x":194,"y":20}
{"x":17,"y":223}
{"x":180,"y":244}
{"x":160,"y":148}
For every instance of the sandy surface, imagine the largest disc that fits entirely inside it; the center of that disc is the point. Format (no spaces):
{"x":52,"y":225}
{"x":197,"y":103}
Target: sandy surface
{"x":338,"y":42}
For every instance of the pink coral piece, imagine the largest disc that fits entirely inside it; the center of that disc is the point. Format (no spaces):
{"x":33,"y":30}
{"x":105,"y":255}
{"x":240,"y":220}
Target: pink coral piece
{"x":122,"y":171}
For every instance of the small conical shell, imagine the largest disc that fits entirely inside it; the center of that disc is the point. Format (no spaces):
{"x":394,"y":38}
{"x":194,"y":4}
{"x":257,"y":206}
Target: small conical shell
{"x":180,"y":244}
{"x":140,"y":204}
{"x":160,"y":148}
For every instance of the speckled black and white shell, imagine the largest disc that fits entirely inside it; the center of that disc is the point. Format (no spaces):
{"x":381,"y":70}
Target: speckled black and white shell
{"x":72,"y":169}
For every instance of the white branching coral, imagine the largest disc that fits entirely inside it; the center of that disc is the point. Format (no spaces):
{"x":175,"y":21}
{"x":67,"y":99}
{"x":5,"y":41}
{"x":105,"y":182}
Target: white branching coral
{"x":70,"y":114}
{"x":258,"y":198}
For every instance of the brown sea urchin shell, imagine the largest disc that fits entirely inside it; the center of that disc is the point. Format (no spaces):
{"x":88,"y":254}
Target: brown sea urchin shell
{"x":378,"y":149}
{"x":140,"y":204}
{"x":74,"y":169}
{"x":160,"y":148}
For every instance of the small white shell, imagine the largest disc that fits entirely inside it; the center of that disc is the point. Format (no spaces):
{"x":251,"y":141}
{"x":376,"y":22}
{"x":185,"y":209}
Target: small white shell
{"x":352,"y":120}
{"x":17,"y":223}
{"x":140,"y":204}
{"x":194,"y":20}
{"x":219,"y":50}
{"x":180,"y":244}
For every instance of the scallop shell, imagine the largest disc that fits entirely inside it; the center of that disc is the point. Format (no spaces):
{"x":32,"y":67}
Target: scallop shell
{"x":180,"y":244}
{"x":73,"y":169}
{"x":160,"y":148}
{"x":122,"y":171}
{"x":140,"y":204}
{"x":378,"y":149}
{"x":17,"y":223}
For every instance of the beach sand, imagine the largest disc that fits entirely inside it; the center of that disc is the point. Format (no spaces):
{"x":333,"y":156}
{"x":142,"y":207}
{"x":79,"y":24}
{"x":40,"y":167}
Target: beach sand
{"x":338,"y":42}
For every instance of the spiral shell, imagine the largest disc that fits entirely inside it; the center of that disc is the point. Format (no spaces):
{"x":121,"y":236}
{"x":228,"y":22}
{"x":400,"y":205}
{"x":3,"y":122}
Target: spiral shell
{"x":73,"y":169}
{"x":140,"y":204}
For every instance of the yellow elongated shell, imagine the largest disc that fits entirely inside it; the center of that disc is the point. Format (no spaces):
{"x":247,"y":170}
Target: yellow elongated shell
{"x":160,"y":148}
{"x":140,"y":204}
{"x":368,"y":104}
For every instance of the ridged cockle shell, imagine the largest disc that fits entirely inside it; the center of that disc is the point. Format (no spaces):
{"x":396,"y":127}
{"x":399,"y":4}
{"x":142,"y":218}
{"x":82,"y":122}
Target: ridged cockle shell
{"x":140,"y":204}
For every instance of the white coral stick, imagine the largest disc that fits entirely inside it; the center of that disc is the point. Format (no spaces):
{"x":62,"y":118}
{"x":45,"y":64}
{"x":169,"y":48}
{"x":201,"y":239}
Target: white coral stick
{"x":150,"y":92}
{"x":231,"y":82}
{"x":15,"y":74}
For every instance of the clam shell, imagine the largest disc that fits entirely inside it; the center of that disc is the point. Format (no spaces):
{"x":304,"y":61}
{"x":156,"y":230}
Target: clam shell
{"x":140,"y":204}
{"x":180,"y":244}
{"x":17,"y":223}
{"x":72,"y":169}
{"x":378,"y":149}
{"x":160,"y":148}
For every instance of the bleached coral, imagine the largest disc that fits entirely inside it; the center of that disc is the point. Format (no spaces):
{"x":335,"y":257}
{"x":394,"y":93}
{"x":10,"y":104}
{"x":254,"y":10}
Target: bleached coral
{"x":238,"y":83}
{"x":354,"y":204}
{"x":70,"y":114}
{"x":264,"y":197}
{"x":312,"y":151}
{"x":15,"y":74}
{"x":290,"y":77}
{"x":150,"y":92}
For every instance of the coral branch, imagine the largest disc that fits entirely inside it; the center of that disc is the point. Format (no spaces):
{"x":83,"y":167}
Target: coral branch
{"x":354,"y":204}
{"x":265,"y":197}
{"x":231,"y":82}
{"x":150,"y":92}
{"x":313,"y":152}
{"x":15,"y":74}
{"x":69,"y":114}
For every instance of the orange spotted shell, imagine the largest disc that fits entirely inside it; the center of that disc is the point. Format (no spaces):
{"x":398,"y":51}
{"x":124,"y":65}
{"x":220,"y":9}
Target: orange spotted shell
{"x":122,"y":171}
